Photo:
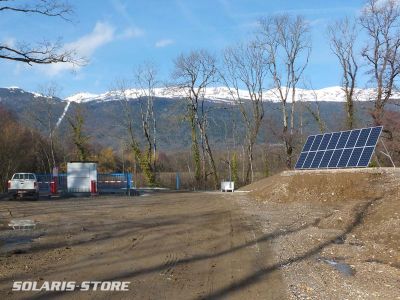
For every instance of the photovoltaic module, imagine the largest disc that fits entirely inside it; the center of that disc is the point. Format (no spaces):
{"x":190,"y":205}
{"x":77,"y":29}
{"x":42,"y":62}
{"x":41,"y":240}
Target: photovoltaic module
{"x":344,"y":149}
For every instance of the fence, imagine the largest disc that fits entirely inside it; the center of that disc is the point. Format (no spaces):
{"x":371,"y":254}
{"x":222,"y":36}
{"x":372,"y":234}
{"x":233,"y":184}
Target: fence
{"x":44,"y":181}
{"x":114,"y":183}
{"x":106,"y":183}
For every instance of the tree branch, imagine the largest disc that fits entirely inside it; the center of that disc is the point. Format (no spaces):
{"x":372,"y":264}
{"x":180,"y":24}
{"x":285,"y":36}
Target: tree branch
{"x":49,"y":8}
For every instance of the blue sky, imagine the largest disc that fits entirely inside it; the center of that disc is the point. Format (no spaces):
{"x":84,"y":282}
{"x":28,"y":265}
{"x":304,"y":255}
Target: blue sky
{"x":117,"y":35}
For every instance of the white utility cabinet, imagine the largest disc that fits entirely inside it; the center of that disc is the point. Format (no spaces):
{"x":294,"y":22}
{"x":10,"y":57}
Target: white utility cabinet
{"x":227,"y":186}
{"x":80,"y":175}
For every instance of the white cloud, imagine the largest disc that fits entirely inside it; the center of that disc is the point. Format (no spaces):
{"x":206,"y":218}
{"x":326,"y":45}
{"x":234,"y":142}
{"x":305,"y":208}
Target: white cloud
{"x":9,"y":42}
{"x":102,"y":34}
{"x":55,"y":69}
{"x":317,"y":22}
{"x":131,"y":32}
{"x":164,"y":43}
{"x":123,"y":11}
{"x":84,"y":47}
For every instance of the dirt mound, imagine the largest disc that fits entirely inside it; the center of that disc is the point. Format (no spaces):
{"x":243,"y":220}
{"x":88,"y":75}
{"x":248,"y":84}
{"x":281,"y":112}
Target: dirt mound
{"x":344,"y":192}
{"x":356,"y":214}
{"x":326,"y":185}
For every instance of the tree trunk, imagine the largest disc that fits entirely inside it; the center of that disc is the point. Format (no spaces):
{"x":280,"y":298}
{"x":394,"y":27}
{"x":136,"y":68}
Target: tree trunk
{"x":212,"y":162}
{"x":195,"y":150}
{"x":350,"y":111}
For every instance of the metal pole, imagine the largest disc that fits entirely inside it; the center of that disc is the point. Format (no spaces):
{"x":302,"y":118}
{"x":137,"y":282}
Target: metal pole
{"x":178,"y":183}
{"x":128,"y":183}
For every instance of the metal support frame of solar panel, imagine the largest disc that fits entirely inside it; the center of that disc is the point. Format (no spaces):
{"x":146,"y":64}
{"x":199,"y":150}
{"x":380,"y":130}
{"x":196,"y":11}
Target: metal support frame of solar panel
{"x":343,"y":149}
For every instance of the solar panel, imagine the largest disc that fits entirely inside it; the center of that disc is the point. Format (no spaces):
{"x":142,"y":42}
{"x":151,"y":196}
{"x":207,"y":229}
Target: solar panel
{"x":353,"y":138}
{"x":373,"y":136}
{"x":309,"y":159}
{"x":326,"y":159}
{"x":365,"y":157}
{"x":355,"y":157}
{"x":335,"y":158}
{"x":343,"y":140}
{"x":344,"y":159}
{"x":301,"y":160}
{"x":334,"y":140}
{"x":308,"y":144}
{"x":325,"y":141}
{"x":317,"y":159}
{"x":362,"y":139}
{"x":344,"y":149}
{"x":317,"y":142}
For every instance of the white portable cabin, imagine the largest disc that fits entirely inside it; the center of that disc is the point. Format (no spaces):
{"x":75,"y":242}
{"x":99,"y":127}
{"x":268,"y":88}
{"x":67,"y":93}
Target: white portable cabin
{"x":227,"y":186}
{"x":80,"y":176}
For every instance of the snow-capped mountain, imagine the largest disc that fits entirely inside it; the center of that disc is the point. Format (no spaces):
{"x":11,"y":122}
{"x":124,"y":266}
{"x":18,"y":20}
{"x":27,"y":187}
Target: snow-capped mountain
{"x":16,"y":89}
{"x":218,"y":94}
{"x":223,"y":94}
{"x":102,"y":112}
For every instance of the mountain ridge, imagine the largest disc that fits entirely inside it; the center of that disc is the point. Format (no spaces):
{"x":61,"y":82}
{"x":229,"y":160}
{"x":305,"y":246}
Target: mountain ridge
{"x":223,"y":94}
{"x":220,"y":94}
{"x":104,"y":119}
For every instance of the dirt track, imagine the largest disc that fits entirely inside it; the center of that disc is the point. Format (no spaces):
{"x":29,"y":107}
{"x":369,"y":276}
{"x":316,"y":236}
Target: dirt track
{"x":169,"y":246}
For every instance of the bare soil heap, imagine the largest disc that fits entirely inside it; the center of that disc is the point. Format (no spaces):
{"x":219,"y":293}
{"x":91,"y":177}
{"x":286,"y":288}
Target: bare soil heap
{"x":341,"y":231}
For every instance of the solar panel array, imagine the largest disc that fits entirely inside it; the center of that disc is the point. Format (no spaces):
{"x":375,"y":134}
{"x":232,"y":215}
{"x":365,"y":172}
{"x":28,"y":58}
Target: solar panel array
{"x":344,"y":149}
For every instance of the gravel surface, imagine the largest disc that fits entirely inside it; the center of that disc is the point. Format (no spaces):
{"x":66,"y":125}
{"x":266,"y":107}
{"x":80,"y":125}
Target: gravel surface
{"x":337,"y":232}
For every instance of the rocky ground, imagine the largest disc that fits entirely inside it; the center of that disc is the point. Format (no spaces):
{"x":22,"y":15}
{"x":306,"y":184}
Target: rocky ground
{"x":337,"y":232}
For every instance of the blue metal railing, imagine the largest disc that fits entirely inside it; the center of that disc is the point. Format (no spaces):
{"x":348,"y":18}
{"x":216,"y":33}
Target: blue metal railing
{"x":106,"y":182}
{"x":114,"y":182}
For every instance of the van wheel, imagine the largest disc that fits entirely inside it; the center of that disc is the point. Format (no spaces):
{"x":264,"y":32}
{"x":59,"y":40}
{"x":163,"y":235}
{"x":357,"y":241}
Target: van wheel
{"x":37,"y":196}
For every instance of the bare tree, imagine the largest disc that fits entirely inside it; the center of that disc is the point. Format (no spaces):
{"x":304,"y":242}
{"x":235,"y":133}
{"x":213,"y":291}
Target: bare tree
{"x":193,"y":73}
{"x":44,"y":118}
{"x":19,"y":149}
{"x":43,"y":115}
{"x":145,"y":164}
{"x":245,"y":66}
{"x":381,"y":21}
{"x":287,"y":44}
{"x":79,"y":138}
{"x":45,"y":52}
{"x":343,"y":36}
{"x":50,"y":8}
{"x":314,"y":109}
{"x":146,"y":80}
